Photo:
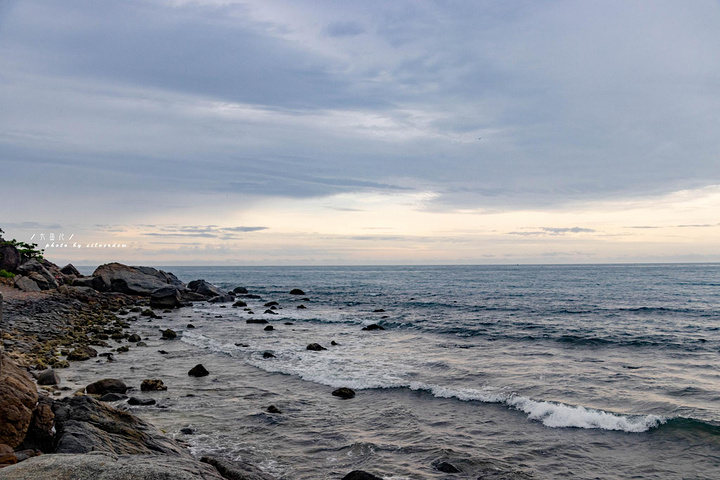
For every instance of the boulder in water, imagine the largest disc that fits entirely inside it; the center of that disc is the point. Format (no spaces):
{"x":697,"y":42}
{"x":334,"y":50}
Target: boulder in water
{"x":315,"y":347}
{"x":106,"y":385}
{"x":296,"y":291}
{"x":344,"y":393}
{"x":198,"y":371}
{"x":152,"y":384}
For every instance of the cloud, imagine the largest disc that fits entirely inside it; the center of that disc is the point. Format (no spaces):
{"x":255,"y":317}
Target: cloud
{"x":545,"y":231}
{"x":201,"y":231}
{"x":344,"y":29}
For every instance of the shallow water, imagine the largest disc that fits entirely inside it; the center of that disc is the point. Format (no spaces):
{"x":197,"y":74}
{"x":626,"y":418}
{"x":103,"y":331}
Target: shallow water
{"x":581,"y":371}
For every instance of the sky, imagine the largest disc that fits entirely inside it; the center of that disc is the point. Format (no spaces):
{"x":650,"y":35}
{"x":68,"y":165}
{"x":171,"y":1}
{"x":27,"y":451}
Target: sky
{"x":267,"y":132}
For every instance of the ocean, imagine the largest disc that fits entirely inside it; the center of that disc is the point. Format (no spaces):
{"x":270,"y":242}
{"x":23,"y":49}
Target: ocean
{"x":577,"y":371}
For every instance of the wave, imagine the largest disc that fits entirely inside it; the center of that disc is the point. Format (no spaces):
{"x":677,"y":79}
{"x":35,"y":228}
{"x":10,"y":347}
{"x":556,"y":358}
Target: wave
{"x":550,"y":414}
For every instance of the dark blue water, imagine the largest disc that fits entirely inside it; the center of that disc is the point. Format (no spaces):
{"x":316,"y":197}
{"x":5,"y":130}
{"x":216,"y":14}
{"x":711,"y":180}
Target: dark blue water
{"x":602,"y":371}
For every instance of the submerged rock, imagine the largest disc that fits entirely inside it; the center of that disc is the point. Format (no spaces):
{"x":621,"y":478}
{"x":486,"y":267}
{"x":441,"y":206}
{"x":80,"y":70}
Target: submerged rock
{"x":315,"y":347}
{"x":446,"y":467}
{"x":144,"y":402}
{"x":361,"y":475}
{"x":373,"y":327}
{"x":269,"y":328}
{"x":296,"y":291}
{"x":273,"y":409}
{"x":301,"y":307}
{"x":256,"y":320}
{"x":198,"y":371}
{"x":82,"y":353}
{"x":344,"y":393}
{"x":112,"y":397}
{"x":152,"y":384}
{"x":239,"y":303}
{"x":169,"y":334}
{"x":268,"y":355}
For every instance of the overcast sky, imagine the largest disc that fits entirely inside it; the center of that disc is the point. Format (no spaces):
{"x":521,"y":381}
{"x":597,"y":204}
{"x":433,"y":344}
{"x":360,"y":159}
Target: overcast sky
{"x":329,"y":132}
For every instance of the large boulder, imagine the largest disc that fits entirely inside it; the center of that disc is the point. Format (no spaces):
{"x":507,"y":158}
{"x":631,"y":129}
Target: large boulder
{"x":96,"y":283}
{"x":41,"y":433}
{"x":222,"y":299}
{"x":204,"y":288}
{"x":168,"y":296}
{"x":236,"y":470}
{"x":18,"y":397}
{"x":141,"y":281}
{"x":37,"y":270}
{"x":106,"y":385}
{"x":106,"y":466}
{"x":9,"y":258}
{"x":26,"y":284}
{"x":85,"y":425}
{"x":70,"y":269}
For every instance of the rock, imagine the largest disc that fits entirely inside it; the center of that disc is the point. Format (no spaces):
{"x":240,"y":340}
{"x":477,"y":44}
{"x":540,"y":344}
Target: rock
{"x":373,"y":327}
{"x":334,"y":343}
{"x":48,"y":377}
{"x":301,"y":307}
{"x":81,"y":353}
{"x":168,"y":296}
{"x":271,"y":304}
{"x":316,"y":347}
{"x":222,"y":299}
{"x":149,"y":313}
{"x":141,"y":401}
{"x":149,"y":385}
{"x":296,"y":291}
{"x":360,"y":475}
{"x":446,"y":467}
{"x":253,"y":297}
{"x":268,"y":355}
{"x":240,"y":290}
{"x":289,"y":323}
{"x":41,"y":281}
{"x":379,"y":310}
{"x":95,"y":283}
{"x":169,"y":334}
{"x":239,"y":303}
{"x":36,"y":270}
{"x":256,"y":320}
{"x":70,"y":269}
{"x":9,"y":258}
{"x":198,"y":371}
{"x":187,"y":431}
{"x":122,"y":349}
{"x":204,"y":288}
{"x":273,"y":409}
{"x":112,"y":397}
{"x":190,"y":326}
{"x":344,"y":393}
{"x":270,"y":312}
{"x":18,"y":397}
{"x":134,"y":338}
{"x":236,"y":470}
{"x":106,"y":385}
{"x":40,"y":434}
{"x":188,"y":296}
{"x":162,"y":352}
{"x":141,"y":281}
{"x":26,"y":284}
{"x":104,"y":466}
{"x":269,"y":328}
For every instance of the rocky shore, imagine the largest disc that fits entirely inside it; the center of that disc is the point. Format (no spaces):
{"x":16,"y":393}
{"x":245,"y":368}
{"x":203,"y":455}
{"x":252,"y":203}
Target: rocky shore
{"x":50,"y":316}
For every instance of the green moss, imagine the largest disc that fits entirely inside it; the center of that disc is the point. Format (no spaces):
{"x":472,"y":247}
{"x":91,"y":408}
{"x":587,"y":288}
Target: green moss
{"x":6,"y":274}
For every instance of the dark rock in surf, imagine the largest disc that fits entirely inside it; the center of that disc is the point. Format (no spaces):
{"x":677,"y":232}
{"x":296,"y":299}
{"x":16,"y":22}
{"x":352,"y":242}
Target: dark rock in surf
{"x":269,"y":328}
{"x":273,"y":409}
{"x":360,"y":475}
{"x":134,"y":338}
{"x":268,"y":355}
{"x":198,"y":371}
{"x":82,"y":353}
{"x":144,"y":402}
{"x":301,"y":307}
{"x":270,"y":312}
{"x":256,"y":320}
{"x":112,"y":397}
{"x":373,"y":327}
{"x":270,"y":304}
{"x":190,"y":326}
{"x":169,"y":334}
{"x":168,"y":296}
{"x":48,"y":377}
{"x":204,"y":288}
{"x":236,"y":470}
{"x":315,"y":347}
{"x":240,"y":290}
{"x":239,"y":303}
{"x":152,"y":384}
{"x":379,"y":310}
{"x":344,"y":393}
{"x":296,"y":291}
{"x":222,"y":299}
{"x":106,"y":385}
{"x":446,"y":467}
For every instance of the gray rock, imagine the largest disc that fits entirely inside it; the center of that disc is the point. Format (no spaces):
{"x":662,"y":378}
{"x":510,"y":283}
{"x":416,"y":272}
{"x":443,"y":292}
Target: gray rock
{"x":373,"y":327}
{"x":169,"y":334}
{"x":204,"y":288}
{"x":48,"y":377}
{"x":316,"y":347}
{"x":235,"y":470}
{"x":198,"y":371}
{"x":222,"y":299}
{"x":360,"y":475}
{"x":240,"y":290}
{"x":112,"y":397}
{"x":106,"y":385}
{"x":9,"y":258}
{"x":95,"y":283}
{"x":70,"y":269}
{"x":344,"y":393}
{"x":168,"y":296}
{"x":142,"y":281}
{"x":81,"y":353}
{"x":105,"y":466}
{"x":26,"y":284}
{"x":34,"y":266}
{"x":144,"y":402}
{"x":152,"y":384}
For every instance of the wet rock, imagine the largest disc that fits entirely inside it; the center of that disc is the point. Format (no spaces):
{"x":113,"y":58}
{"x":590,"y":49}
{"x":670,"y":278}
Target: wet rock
{"x":40,"y":434}
{"x":273,"y":409}
{"x":271,"y":304}
{"x":112,"y":397}
{"x":316,"y":347}
{"x":289,"y":323}
{"x":446,"y":467}
{"x":240,"y":290}
{"x":270,"y":312}
{"x":18,"y":397}
{"x":236,"y":470}
{"x":106,"y":385}
{"x":296,"y":291}
{"x":361,"y":475}
{"x":379,"y":310}
{"x":344,"y":393}
{"x":334,"y":343}
{"x":222,"y":299}
{"x":162,"y":352}
{"x":141,"y":344}
{"x":269,"y":328}
{"x":169,"y":334}
{"x":144,"y":402}
{"x":198,"y":371}
{"x":142,"y":281}
{"x":122,"y":349}
{"x":134,"y":338}
{"x":239,"y":303}
{"x":149,"y":313}
{"x":26,"y":284}
{"x":256,"y":320}
{"x":70,"y":269}
{"x":190,"y":326}
{"x":82,"y":353}
{"x":152,"y":384}
{"x":301,"y":307}
{"x":373,"y":327}
{"x":187,"y":431}
{"x":168,"y":296}
{"x":268,"y":355}
{"x":48,"y":377}
{"x":204,"y":288}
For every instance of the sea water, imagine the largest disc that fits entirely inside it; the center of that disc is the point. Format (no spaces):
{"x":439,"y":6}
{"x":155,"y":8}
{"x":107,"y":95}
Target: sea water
{"x":592,"y":371}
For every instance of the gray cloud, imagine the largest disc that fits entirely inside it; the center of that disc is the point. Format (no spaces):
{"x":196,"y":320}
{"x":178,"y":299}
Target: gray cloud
{"x":131,"y":103}
{"x":551,"y":231}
